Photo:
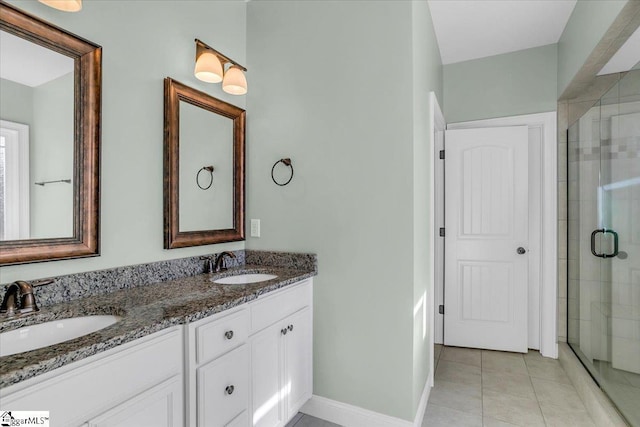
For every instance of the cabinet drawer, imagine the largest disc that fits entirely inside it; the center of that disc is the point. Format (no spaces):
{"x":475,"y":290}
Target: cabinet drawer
{"x":221,"y":335}
{"x":223,"y":388}
{"x":271,"y":309}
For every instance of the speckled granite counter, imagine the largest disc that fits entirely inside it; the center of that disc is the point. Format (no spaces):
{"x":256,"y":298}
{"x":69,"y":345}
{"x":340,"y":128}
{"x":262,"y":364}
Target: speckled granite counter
{"x":144,"y":310}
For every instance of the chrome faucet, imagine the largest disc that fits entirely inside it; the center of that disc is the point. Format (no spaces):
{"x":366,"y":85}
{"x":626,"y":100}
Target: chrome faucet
{"x":220,"y":264}
{"x":28,"y":304}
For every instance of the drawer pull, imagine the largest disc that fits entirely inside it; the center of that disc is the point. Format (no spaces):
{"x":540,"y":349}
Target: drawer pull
{"x":228,"y":335}
{"x":283,"y":331}
{"x":290,"y":327}
{"x":229,"y":389}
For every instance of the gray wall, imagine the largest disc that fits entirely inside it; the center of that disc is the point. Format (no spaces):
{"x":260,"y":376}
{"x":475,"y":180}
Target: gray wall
{"x":48,"y":110}
{"x":143,"y":42}
{"x":51,"y":159}
{"x":510,"y":84}
{"x":206,"y":139}
{"x":332,"y":88}
{"x":588,"y":23}
{"x":427,"y":76}
{"x":16,"y":102}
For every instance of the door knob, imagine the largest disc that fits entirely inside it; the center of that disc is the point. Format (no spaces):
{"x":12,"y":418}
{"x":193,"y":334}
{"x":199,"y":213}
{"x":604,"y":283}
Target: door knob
{"x":228,"y":335}
{"x":521,"y":250}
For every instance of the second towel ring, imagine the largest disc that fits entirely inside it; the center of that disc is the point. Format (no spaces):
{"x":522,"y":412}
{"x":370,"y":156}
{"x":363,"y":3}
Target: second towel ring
{"x":286,"y":162}
{"x":208,"y":169}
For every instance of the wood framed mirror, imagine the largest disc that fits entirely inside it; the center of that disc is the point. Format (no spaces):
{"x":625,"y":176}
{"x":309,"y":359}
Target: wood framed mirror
{"x":52,"y":207}
{"x":204,"y":161}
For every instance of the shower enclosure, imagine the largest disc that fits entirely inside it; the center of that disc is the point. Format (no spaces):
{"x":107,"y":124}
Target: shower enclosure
{"x":604,"y":243}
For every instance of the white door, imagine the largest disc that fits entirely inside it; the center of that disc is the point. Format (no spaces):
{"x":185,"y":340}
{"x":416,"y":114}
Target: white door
{"x":486,"y":205}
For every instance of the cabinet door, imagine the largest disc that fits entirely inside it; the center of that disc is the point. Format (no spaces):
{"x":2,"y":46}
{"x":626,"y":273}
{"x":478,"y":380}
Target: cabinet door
{"x":160,"y":406}
{"x":241,"y":420}
{"x":298,"y":361}
{"x":266,"y":377}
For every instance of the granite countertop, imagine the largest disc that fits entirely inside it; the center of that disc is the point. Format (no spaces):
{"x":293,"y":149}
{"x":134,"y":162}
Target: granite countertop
{"x":144,"y":310}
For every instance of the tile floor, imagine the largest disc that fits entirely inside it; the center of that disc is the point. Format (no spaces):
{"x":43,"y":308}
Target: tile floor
{"x":494,"y":389}
{"x":623,"y":387}
{"x":302,"y":420}
{"x":491,"y":388}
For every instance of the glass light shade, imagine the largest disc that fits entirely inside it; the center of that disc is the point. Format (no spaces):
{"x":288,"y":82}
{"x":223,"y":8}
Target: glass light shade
{"x":208,"y":67}
{"x":234,"y":81}
{"x":65,"y":5}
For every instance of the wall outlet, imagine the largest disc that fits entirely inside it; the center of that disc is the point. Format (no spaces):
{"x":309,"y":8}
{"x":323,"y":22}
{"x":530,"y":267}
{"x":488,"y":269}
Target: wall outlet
{"x":255,"y":228}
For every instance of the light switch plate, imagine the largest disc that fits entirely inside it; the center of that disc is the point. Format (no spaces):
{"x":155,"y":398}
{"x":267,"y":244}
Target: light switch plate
{"x":255,"y":228}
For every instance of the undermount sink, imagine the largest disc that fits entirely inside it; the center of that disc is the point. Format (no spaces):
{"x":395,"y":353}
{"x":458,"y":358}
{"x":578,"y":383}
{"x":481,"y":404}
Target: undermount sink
{"x":41,"y":335}
{"x":243,"y":279}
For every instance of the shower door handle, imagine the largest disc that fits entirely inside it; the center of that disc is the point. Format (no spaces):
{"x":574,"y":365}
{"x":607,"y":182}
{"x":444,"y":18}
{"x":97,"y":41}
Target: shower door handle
{"x":593,"y":243}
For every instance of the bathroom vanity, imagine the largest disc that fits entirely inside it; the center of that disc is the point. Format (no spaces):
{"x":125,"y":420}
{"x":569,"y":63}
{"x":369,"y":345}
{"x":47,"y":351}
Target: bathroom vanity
{"x":185,"y":352}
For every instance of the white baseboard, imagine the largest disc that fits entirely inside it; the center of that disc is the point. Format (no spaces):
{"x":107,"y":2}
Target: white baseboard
{"x":422,"y":406}
{"x":353,"y":416}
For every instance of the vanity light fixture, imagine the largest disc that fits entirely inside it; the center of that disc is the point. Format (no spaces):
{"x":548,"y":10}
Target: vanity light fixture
{"x":64,"y":5}
{"x":210,"y":65}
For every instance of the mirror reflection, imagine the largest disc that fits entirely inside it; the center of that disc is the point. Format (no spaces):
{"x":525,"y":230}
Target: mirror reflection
{"x":36,"y":141}
{"x":206,"y":197}
{"x":203,"y":168}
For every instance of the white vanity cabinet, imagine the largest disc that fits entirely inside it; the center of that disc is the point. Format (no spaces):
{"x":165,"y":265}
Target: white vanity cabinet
{"x":141,"y":380}
{"x":247,"y":366}
{"x":251,"y":366}
{"x":156,"y":407}
{"x":218,"y":369}
{"x":281,"y":355}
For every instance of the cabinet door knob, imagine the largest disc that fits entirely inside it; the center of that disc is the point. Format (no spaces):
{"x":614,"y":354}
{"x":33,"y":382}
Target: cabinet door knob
{"x":283,"y":331}
{"x":229,"y":389}
{"x":228,"y":335}
{"x":290,"y":327}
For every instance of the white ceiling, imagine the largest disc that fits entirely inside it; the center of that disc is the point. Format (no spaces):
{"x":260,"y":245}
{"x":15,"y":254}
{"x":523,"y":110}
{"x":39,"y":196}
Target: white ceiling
{"x":30,"y":64}
{"x":626,"y":57}
{"x":471,"y":29}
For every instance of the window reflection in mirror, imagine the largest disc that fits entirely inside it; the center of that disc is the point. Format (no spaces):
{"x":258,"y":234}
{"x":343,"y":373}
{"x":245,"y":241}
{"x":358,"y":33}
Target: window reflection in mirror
{"x":36,"y":141}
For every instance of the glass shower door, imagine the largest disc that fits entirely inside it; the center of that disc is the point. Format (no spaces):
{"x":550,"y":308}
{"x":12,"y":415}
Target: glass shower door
{"x":604,"y":243}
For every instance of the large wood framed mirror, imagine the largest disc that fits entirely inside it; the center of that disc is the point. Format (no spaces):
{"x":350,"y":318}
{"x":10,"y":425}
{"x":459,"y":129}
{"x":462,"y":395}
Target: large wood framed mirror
{"x":204,"y":160}
{"x":50,"y":105}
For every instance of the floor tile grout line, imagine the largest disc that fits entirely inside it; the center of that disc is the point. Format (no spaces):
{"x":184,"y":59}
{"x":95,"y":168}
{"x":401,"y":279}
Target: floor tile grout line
{"x":298,"y":422}
{"x":481,"y":390}
{"x":537,"y":398}
{"x":535,"y":393}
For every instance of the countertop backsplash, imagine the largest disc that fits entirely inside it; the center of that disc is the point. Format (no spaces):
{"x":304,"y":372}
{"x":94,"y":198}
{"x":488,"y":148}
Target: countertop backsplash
{"x":79,"y":285}
{"x":149,"y":298}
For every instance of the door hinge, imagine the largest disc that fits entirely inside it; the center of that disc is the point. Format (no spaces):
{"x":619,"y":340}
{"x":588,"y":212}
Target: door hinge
{"x":441,"y":231}
{"x":441,"y":309}
{"x":441,"y":154}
